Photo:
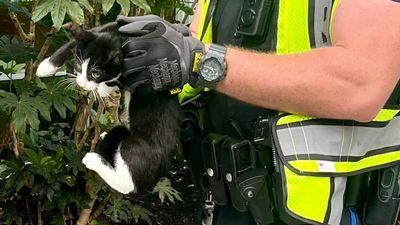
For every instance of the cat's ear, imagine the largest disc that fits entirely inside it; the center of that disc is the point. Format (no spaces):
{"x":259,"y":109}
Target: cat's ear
{"x":81,"y":35}
{"x":116,"y":57}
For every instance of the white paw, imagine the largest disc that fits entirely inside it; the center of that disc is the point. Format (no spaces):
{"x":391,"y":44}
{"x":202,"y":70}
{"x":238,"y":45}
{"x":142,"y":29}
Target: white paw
{"x":92,"y":161}
{"x":46,"y":68}
{"x":103,"y":135}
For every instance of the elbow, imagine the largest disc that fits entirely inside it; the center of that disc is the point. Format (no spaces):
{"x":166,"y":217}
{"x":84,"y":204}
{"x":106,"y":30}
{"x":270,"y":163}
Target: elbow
{"x":364,"y":109}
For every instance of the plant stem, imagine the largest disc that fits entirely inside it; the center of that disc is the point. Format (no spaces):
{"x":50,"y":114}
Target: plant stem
{"x":81,"y":124}
{"x":100,"y":208}
{"x":16,"y":142}
{"x":84,"y":215}
{"x":97,"y":15}
{"x":32,"y":25}
{"x":19,"y":28}
{"x":39,"y":213}
{"x":97,"y":129}
{"x":43,"y":50}
{"x":27,"y":209}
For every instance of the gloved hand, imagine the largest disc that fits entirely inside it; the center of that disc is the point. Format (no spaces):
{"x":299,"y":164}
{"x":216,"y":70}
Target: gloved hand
{"x":124,"y":20}
{"x":157,"y":52}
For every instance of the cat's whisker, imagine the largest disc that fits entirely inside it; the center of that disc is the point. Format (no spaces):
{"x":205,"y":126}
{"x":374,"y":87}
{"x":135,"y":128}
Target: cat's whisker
{"x":115,"y":79}
{"x":62,"y":82}
{"x":70,"y":74}
{"x":72,"y":85}
{"x":67,"y":83}
{"x":78,"y":58}
{"x":95,"y":64}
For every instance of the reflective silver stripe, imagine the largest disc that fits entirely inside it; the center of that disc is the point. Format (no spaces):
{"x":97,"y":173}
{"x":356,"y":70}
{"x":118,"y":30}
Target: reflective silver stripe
{"x":337,"y":201}
{"x":322,"y":15}
{"x":340,"y":141}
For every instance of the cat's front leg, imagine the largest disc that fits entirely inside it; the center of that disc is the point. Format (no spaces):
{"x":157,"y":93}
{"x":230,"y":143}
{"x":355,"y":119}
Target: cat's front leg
{"x":46,"y":68}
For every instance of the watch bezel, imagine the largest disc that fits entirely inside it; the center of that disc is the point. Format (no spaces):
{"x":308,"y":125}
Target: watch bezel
{"x":221,"y":63}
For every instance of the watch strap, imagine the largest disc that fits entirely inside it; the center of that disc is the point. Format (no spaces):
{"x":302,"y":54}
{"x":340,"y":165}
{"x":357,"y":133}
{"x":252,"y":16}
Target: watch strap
{"x":217,"y":50}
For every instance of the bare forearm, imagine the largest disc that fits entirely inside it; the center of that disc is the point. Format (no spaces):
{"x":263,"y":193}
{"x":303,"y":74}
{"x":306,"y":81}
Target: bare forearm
{"x":320,"y":83}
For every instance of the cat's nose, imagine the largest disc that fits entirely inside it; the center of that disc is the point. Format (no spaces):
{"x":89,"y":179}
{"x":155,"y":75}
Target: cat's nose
{"x":90,"y":86}
{"x":81,"y":80}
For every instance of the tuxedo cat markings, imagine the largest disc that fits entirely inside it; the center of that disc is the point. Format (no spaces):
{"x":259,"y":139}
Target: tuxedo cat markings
{"x":128,"y":159}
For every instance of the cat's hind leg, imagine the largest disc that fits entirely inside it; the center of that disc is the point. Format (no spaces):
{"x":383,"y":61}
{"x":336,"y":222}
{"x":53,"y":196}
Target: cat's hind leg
{"x":118,"y":178}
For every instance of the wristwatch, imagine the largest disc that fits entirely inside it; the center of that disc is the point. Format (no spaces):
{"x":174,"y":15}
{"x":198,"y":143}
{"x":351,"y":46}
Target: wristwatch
{"x":212,"y":67}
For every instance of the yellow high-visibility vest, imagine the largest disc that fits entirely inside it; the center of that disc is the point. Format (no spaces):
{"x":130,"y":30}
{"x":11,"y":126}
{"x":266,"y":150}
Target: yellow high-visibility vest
{"x":316,"y":156}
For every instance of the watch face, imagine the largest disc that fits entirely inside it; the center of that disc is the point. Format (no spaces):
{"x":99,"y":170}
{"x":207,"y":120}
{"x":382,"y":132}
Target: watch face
{"x":211,"y":69}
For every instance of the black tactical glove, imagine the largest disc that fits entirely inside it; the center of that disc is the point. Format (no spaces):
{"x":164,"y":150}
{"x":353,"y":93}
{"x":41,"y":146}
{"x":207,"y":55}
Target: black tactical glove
{"x":157,"y":52}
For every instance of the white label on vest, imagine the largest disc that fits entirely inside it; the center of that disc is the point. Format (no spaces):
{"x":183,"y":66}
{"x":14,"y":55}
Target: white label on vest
{"x":326,"y":166}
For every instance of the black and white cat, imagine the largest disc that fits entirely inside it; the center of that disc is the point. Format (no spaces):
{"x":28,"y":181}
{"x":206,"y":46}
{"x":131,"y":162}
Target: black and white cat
{"x":128,"y":160}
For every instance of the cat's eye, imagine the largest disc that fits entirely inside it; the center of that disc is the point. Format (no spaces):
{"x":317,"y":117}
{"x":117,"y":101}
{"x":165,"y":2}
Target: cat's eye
{"x":95,"y":74}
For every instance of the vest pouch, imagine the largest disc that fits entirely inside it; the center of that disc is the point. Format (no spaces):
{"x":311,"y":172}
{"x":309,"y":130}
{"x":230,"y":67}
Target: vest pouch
{"x":383,"y":201}
{"x":315,"y":157}
{"x":248,"y":185}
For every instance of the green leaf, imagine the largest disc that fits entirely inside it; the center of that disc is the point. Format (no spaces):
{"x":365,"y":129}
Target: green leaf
{"x":164,"y":188}
{"x":67,"y":179}
{"x":75,"y":12}
{"x":107,"y":5}
{"x":26,"y":111}
{"x":142,"y":4}
{"x":13,"y":49}
{"x":3,"y":64}
{"x":86,"y":4}
{"x":58,"y":13}
{"x":140,"y":212}
{"x":18,"y":67}
{"x":60,"y":97}
{"x":3,"y":168}
{"x":41,"y":10}
{"x":125,"y":6}
{"x":95,"y":222}
{"x":7,"y":100}
{"x":40,"y":83}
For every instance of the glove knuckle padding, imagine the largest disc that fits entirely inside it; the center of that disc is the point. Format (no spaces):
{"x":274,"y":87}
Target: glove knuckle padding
{"x":156,"y":50}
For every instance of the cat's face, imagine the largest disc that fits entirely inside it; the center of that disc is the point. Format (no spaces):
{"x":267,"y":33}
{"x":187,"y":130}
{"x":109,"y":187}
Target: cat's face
{"x":97,"y":64}
{"x":96,"y":59}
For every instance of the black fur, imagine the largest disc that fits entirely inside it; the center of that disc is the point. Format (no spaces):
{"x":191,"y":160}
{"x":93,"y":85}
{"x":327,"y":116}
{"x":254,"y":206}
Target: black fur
{"x":155,"y":117}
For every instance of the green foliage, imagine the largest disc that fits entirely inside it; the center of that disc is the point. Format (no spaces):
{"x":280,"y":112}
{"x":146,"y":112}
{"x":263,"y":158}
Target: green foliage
{"x":95,"y":222}
{"x":121,"y":209}
{"x":11,"y":49}
{"x":86,"y":4}
{"x":59,"y":96}
{"x":107,"y":5}
{"x":164,"y":189}
{"x":10,"y":68}
{"x":49,"y":169}
{"x":139,"y":212}
{"x":182,"y":6}
{"x":125,"y":5}
{"x":58,"y":9}
{"x":25,"y":108}
{"x":43,"y":173}
{"x":13,"y":215}
{"x":142,"y":4}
